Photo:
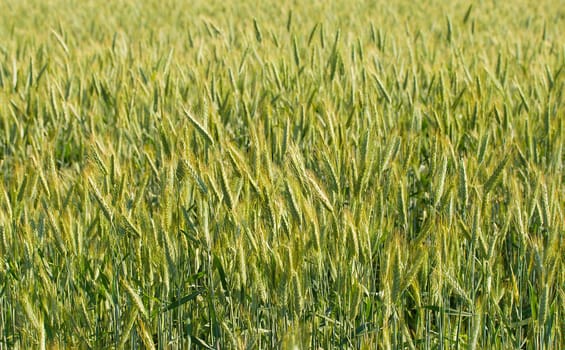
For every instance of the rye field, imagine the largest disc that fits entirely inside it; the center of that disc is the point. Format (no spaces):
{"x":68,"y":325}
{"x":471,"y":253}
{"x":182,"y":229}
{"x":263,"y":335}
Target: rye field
{"x":282,"y":174}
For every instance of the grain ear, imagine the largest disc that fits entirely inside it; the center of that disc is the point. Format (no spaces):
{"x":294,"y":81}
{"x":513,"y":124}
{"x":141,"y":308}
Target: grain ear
{"x":199,"y":127}
{"x":495,"y":176}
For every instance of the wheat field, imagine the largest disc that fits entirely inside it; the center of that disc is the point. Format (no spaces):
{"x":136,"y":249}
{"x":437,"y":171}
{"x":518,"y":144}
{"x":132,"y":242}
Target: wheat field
{"x":282,"y":175}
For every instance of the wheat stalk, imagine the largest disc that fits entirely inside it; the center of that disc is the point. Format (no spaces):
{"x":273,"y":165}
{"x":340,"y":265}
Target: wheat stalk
{"x":201,"y":129}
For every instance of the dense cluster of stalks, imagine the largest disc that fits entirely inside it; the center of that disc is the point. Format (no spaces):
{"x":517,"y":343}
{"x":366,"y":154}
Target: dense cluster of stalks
{"x":335,"y":174}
